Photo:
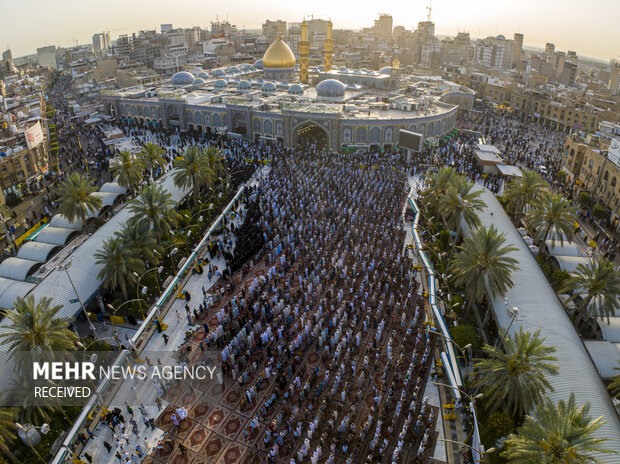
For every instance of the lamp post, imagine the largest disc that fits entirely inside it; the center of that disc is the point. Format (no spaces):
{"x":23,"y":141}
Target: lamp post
{"x":173,"y":252}
{"x":480,"y":452}
{"x":468,"y":365}
{"x":113,"y":309}
{"x":27,"y":429}
{"x":65,"y":267}
{"x":159,"y":271}
{"x":51,"y":382}
{"x":472,"y":399}
{"x":93,"y":358}
{"x":513,"y":313}
{"x":73,"y":456}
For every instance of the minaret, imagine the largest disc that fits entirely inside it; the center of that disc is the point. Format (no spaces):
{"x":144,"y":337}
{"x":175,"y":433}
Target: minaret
{"x":304,"y":50}
{"x":329,"y":48}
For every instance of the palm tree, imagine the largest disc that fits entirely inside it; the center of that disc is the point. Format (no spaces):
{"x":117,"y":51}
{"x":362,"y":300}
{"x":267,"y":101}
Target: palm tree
{"x":7,"y":432}
{"x":151,"y":157}
{"x":29,"y":411}
{"x":155,"y":207}
{"x":140,"y":238}
{"x":557,"y":434}
{"x":516,"y":377}
{"x":119,"y":263}
{"x":461,"y":203}
{"x":36,"y":328}
{"x":552,"y":217}
{"x":192,"y":171}
{"x":215,"y":160}
{"x":598,"y":285}
{"x":128,"y":168}
{"x":438,"y":183}
{"x":524,"y":192}
{"x":76,"y":201}
{"x":482,"y":265}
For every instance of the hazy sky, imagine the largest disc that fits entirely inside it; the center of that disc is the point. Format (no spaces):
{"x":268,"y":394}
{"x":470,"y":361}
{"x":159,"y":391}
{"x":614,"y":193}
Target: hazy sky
{"x":588,"y":27}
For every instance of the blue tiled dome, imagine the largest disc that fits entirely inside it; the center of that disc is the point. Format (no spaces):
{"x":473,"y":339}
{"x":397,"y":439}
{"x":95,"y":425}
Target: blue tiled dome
{"x":198,"y":82}
{"x":244,"y":85}
{"x":296,"y":89}
{"x":258,"y":64}
{"x":219,"y":73}
{"x":268,"y":87}
{"x":182,"y":78}
{"x":203,"y":75}
{"x":385,"y":70}
{"x":330,"y":88}
{"x":220,"y":84}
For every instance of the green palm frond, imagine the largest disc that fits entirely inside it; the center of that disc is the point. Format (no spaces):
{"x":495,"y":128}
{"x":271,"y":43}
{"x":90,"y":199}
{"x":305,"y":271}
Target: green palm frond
{"x":483,"y":263}
{"x":155,"y":207}
{"x":460,"y":202}
{"x":128,"y":169}
{"x":119,"y":262}
{"x":140,"y":238}
{"x":598,"y":285}
{"x":557,"y":434}
{"x":516,"y":376}
{"x":76,"y":201}
{"x":36,"y":328}
{"x":525,"y":191}
{"x":552,"y":218}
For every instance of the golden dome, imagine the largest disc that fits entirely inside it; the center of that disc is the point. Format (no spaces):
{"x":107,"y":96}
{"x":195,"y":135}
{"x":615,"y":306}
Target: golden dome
{"x":278,"y":55}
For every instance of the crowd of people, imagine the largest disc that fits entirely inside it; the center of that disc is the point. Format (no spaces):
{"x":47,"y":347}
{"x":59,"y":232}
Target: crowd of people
{"x":323,"y":328}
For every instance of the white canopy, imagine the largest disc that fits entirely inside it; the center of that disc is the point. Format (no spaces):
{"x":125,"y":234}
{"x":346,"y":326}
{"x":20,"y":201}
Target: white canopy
{"x":36,"y":251}
{"x":558,"y":249}
{"x":11,"y":289}
{"x":56,"y":235}
{"x":605,"y":356}
{"x":17,"y":268}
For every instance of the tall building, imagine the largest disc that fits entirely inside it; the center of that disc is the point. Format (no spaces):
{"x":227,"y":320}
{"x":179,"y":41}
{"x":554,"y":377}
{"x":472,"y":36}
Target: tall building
{"x":425,"y":38}
{"x":568,"y":74}
{"x":6,"y":65}
{"x":494,"y":52}
{"x":165,"y":28}
{"x":550,"y":52}
{"x":614,"y":81}
{"x":383,"y":27}
{"x":293,"y":37}
{"x":517,"y":49}
{"x":462,"y":42}
{"x":101,"y":43}
{"x":46,"y":56}
{"x":317,"y":26}
{"x":272,"y":30}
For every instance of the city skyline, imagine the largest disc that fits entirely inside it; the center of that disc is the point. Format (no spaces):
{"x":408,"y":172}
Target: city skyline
{"x":479,"y":19}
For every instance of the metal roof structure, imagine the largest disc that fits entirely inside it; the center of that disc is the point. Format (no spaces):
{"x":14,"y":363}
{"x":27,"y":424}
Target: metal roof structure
{"x":113,"y":187}
{"x":565,"y":249}
{"x":36,"y":251}
{"x":11,"y":289}
{"x":56,"y":235}
{"x":107,"y":198}
{"x":540,"y":309}
{"x":18,"y":268}
{"x":611,"y":330}
{"x":569,"y":263}
{"x":61,"y":221}
{"x":509,"y":170}
{"x":605,"y":356}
